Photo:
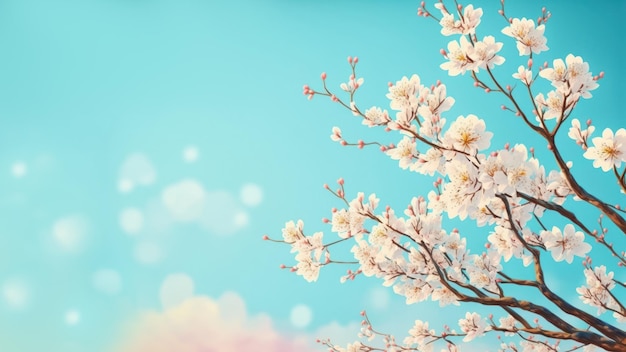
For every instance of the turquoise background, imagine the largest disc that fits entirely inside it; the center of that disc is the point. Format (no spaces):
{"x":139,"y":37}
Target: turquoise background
{"x":84,"y":84}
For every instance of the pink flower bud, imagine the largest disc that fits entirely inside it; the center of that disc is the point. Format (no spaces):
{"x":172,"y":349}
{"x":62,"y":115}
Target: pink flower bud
{"x":508,"y":87}
{"x":325,"y":220}
{"x":459,"y":7}
{"x":487,"y":90}
{"x":475,"y":83}
{"x":265,"y":237}
{"x":349,"y":59}
{"x":323,"y":75}
{"x":361,"y":144}
{"x":344,"y":143}
{"x":283,"y":266}
{"x":356,"y":59}
{"x":601,"y":74}
{"x":530,"y":63}
{"x":326,"y":185}
{"x":443,"y":52}
{"x":501,"y":12}
{"x":362,"y":313}
{"x":340,"y":181}
{"x":589,"y":122}
{"x":503,"y":107}
{"x":422,"y":4}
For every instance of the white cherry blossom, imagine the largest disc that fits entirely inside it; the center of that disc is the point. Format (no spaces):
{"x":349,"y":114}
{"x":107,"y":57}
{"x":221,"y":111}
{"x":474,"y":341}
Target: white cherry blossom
{"x":468,"y":134}
{"x":524,"y":75}
{"x":609,"y":150}
{"x":484,"y":53}
{"x":571,"y":78}
{"x":466,"y":25}
{"x":404,"y":93}
{"x":473,"y":325}
{"x":565,"y":245}
{"x":293,"y":232}
{"x":578,"y":134}
{"x":529,"y":39}
{"x":459,"y":58}
{"x":375,"y":116}
{"x":405,"y":152}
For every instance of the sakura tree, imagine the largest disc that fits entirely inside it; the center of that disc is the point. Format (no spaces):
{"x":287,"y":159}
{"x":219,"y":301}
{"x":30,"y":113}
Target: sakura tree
{"x":504,"y":194}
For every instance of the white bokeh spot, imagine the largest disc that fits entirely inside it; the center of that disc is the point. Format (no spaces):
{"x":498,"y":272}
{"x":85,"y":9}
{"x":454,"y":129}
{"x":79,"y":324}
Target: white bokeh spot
{"x":251,"y":194}
{"x":222,"y":214}
{"x":15,"y":294}
{"x":136,"y":170}
{"x":125,"y":185}
{"x":184,"y":200}
{"x":131,"y":220}
{"x":190,"y":154}
{"x":148,"y":253}
{"x":241,"y":219}
{"x":175,"y":289}
{"x":107,"y":281}
{"x":18,"y":169}
{"x":301,"y":316}
{"x":70,"y":232}
{"x":72,"y":317}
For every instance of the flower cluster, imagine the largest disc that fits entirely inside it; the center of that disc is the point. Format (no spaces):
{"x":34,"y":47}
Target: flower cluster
{"x":530,"y":39}
{"x":471,"y":56}
{"x":309,"y":250}
{"x":597,"y":292}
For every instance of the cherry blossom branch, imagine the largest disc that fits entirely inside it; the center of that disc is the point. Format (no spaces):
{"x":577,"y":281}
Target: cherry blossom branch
{"x":572,"y":217}
{"x":605,"y":328}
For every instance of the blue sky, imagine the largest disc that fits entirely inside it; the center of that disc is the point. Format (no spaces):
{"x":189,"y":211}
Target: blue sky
{"x":95,"y":92}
